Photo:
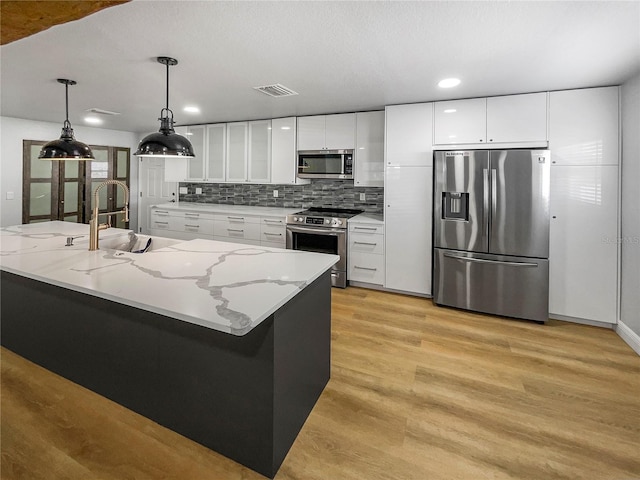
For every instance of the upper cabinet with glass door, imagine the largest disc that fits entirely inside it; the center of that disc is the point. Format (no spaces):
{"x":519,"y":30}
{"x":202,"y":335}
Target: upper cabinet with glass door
{"x":259,"y":155}
{"x":503,"y":121}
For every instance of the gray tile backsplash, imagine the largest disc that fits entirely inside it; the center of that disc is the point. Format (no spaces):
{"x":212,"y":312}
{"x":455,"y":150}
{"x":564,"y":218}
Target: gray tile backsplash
{"x":318,"y":193}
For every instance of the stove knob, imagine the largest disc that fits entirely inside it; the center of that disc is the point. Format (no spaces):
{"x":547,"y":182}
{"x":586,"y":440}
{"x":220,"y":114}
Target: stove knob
{"x":326,"y":221}
{"x":339,"y":222}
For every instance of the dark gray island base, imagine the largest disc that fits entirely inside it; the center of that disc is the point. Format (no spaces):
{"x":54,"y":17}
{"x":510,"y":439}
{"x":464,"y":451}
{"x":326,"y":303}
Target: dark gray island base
{"x":245,"y":397}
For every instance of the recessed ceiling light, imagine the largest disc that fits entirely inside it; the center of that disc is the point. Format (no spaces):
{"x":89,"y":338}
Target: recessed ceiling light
{"x":449,"y":82}
{"x":191,"y":109}
{"x":450,"y":110}
{"x":93,"y":120}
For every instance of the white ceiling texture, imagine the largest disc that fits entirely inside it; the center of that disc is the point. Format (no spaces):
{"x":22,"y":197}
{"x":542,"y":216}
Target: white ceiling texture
{"x":339,"y":56}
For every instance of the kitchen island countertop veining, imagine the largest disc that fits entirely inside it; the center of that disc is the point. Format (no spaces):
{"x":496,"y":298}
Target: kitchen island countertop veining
{"x":228,"y":287}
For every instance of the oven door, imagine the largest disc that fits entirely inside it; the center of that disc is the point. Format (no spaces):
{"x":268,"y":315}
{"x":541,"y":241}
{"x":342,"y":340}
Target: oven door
{"x":322,"y":240}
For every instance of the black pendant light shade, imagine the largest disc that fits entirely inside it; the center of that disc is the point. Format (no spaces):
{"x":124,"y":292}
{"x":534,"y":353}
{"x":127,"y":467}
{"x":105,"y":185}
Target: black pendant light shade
{"x":166,"y":143}
{"x":66,"y":147}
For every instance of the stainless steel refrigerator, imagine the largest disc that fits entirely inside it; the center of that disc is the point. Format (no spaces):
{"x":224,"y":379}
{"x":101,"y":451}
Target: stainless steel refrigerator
{"x":491,"y":232}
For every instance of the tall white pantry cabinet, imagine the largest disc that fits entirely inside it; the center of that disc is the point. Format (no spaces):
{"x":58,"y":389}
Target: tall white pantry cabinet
{"x":584,"y":139}
{"x":408,"y":206}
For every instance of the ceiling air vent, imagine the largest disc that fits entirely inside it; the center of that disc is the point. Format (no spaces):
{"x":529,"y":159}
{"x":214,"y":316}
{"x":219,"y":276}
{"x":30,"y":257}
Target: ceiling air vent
{"x":100,"y":111}
{"x":276,"y":90}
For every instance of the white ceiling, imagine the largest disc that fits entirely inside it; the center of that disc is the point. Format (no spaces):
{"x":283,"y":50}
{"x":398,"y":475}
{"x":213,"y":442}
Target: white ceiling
{"x":339,"y":56}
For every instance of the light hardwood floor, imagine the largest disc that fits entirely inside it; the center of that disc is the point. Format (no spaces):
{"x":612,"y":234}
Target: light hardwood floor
{"x":416,"y":392}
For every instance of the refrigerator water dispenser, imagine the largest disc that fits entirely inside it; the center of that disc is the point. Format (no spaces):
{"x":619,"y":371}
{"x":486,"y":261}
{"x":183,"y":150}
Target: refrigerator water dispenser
{"x":455,"y":206}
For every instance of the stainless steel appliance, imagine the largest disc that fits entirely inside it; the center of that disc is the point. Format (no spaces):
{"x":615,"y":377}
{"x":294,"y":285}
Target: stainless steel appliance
{"x":325,"y":164}
{"x":491,"y":232}
{"x":322,"y":230}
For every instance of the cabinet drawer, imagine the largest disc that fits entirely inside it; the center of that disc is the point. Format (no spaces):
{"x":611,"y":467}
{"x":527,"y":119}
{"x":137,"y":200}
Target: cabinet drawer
{"x":273,"y":234}
{"x":202,"y":226}
{"x":366,"y":267}
{"x":236,"y":219}
{"x":237,"y":229}
{"x":197,"y":215}
{"x":369,"y":228}
{"x":165,"y":222}
{"x":273,"y":222}
{"x":366,"y":243}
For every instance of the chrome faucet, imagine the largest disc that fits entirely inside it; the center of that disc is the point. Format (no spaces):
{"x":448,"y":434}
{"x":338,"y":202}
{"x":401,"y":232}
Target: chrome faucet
{"x":94,"y":225}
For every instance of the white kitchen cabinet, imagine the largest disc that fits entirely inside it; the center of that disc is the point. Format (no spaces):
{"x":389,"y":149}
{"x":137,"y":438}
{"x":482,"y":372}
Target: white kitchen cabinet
{"x":517,"y":118}
{"x":237,"y":229}
{"x":236,"y":155}
{"x":196,"y":166}
{"x":366,"y":253}
{"x":209,"y":147}
{"x":273,"y":232}
{"x":510,"y":119}
{"x":259,"y":154}
{"x":583,"y":246}
{"x":583,"y":126}
{"x":409,"y":135}
{"x":460,"y":121}
{"x":369,"y":152}
{"x":181,"y":225}
{"x":327,"y":132}
{"x":248,"y":153}
{"x":216,"y":150}
{"x":284,"y":157}
{"x":407,"y":224}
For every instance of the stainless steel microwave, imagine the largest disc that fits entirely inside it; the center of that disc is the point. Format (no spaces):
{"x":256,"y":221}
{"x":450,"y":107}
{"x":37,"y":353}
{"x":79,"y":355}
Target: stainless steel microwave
{"x":325,"y":164}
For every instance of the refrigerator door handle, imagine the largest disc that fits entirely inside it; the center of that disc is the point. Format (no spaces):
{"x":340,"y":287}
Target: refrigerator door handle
{"x":482,"y":260}
{"x":494,"y":193}
{"x":485,"y":202}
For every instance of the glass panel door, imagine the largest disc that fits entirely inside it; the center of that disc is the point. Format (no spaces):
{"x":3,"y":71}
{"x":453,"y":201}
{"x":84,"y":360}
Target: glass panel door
{"x":54,"y":190}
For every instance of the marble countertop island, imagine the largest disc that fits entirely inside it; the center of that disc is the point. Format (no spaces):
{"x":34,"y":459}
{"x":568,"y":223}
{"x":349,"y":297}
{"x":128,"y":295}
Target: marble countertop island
{"x":228,"y":287}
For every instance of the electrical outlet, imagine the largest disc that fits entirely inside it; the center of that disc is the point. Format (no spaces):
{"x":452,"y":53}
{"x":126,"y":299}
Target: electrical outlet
{"x":198,"y":191}
{"x":275,"y":194}
{"x":363,"y":197}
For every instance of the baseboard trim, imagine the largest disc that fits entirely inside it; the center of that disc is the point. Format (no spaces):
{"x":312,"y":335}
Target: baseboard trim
{"x":583,"y":321}
{"x":629,"y":336}
{"x":373,"y":286}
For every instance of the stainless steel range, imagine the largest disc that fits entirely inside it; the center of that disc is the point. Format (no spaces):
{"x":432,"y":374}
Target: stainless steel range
{"x":322,"y":230}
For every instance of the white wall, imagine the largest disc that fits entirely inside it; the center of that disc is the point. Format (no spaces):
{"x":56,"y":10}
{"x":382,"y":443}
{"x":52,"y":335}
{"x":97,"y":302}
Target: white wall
{"x":14,"y":131}
{"x":630,"y":283}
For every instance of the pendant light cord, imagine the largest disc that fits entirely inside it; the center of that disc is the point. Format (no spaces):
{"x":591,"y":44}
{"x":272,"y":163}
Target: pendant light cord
{"x":167,"y":86}
{"x":66,"y":100}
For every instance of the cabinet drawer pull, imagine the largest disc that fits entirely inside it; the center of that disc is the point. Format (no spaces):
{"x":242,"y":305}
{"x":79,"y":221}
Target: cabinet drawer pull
{"x":273,"y":234}
{"x":366,"y":228}
{"x":160,"y":212}
{"x":279,"y":222}
{"x":161,"y":223}
{"x":191,"y":214}
{"x":236,"y":218}
{"x":192,"y":226}
{"x":234,"y":230}
{"x":365,"y":268}
{"x":365,"y":243}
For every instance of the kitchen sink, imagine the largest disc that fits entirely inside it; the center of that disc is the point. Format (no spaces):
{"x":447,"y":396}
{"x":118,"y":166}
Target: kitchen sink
{"x":123,"y":243}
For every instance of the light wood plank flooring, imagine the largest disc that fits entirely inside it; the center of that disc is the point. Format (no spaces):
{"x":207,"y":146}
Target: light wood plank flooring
{"x":416,"y":392}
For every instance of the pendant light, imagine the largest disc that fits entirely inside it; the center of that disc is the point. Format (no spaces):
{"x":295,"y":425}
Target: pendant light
{"x":66,"y":147}
{"x":166,"y":143}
